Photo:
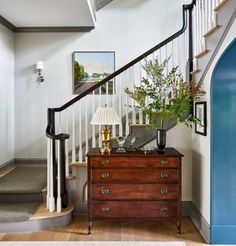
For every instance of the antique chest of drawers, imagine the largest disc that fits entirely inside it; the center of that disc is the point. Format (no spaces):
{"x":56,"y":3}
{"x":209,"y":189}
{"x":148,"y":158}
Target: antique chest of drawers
{"x":134,"y":186}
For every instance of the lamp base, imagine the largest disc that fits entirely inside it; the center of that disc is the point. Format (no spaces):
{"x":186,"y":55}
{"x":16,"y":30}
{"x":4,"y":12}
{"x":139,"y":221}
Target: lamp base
{"x":105,"y":149}
{"x":106,"y":136}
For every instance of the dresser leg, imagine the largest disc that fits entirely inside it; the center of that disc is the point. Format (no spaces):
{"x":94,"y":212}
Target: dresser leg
{"x":178,"y":225}
{"x":89,"y":227}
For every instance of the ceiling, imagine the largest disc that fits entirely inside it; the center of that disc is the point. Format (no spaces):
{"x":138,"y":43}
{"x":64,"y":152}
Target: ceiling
{"x":41,"y":14}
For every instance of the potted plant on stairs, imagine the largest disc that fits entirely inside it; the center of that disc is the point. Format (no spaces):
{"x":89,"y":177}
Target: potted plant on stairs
{"x":164,"y":97}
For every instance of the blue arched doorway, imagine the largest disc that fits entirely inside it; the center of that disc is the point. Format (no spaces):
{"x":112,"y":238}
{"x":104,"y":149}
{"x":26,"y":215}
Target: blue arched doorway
{"x":223,"y":149}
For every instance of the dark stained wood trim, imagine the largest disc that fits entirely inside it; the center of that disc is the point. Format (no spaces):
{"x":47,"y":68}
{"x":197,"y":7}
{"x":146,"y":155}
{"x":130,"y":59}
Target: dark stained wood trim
{"x":13,"y":28}
{"x":7,"y":24}
{"x":55,"y":29}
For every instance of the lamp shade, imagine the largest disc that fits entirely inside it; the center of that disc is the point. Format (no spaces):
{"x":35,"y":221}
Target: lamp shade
{"x":39,"y":65}
{"x":105,"y":116}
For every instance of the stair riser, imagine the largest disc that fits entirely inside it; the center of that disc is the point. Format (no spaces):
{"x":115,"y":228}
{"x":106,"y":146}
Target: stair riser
{"x":20,"y":198}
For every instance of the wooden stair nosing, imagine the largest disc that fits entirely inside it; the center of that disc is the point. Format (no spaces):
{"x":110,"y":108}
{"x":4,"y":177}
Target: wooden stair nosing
{"x":140,"y":125}
{"x":78,"y":164}
{"x":220,"y":5}
{"x":7,"y":170}
{"x":211,"y":31}
{"x":195,"y":71}
{"x":201,"y":54}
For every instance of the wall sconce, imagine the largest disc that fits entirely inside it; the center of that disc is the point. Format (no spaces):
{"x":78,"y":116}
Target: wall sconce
{"x":39,"y":68}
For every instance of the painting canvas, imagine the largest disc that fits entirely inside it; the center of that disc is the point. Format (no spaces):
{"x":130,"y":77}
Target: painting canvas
{"x":90,"y":68}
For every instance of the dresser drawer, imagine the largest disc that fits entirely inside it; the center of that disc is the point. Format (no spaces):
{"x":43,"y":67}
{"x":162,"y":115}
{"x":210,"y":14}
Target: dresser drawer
{"x":137,"y":162}
{"x":134,"y":192}
{"x":134,"y":209}
{"x":135,"y":175}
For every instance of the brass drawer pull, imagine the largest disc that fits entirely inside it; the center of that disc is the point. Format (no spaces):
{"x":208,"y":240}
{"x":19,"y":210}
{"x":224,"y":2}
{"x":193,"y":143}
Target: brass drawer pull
{"x":104,"y":162}
{"x":105,"y":175}
{"x":164,"y":209}
{"x":105,"y":209}
{"x":163,"y":191}
{"x":164,"y":162}
{"x":105,"y":191}
{"x":164,"y":175}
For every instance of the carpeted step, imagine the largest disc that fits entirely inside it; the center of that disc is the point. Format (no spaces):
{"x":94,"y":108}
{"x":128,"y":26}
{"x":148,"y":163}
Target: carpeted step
{"x":23,"y":184}
{"x":17,"y":212}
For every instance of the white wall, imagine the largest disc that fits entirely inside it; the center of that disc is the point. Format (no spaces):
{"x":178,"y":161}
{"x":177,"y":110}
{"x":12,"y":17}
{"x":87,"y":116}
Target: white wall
{"x":127,"y":27}
{"x":6,"y":95}
{"x":201,"y":144}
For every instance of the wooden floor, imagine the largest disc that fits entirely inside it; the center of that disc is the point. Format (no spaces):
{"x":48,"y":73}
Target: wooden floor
{"x":114,"y":231}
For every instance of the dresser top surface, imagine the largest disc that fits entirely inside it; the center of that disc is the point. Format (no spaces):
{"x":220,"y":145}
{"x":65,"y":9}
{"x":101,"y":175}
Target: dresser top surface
{"x":154,"y":153}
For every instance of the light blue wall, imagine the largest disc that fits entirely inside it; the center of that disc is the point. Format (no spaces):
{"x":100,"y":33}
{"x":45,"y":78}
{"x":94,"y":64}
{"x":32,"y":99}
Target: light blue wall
{"x":223,"y":149}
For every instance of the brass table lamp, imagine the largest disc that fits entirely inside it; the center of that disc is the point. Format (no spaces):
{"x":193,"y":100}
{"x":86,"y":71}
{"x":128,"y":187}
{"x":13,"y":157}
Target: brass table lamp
{"x":105,"y":116}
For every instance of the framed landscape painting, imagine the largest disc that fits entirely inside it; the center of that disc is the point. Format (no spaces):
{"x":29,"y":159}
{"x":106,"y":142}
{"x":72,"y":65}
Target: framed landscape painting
{"x":91,"y":67}
{"x":201,"y":114}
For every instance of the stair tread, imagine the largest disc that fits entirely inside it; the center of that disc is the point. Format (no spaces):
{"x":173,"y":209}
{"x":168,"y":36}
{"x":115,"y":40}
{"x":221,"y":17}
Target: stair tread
{"x":199,"y":55}
{"x":220,"y":5}
{"x":42,"y":213}
{"x":34,"y":180}
{"x":211,"y":31}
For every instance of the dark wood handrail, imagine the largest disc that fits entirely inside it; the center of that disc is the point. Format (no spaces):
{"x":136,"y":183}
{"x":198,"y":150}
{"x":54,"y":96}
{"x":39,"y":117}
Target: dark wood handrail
{"x":51,"y":111}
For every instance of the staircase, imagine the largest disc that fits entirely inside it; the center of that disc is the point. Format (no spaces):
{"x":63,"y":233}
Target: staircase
{"x":69,"y":133}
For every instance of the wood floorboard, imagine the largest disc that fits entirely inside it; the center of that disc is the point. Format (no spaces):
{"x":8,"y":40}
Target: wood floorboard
{"x":114,"y":231}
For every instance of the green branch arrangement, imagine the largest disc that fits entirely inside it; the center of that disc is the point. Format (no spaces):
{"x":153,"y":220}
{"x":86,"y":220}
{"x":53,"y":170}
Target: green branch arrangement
{"x":164,"y":96}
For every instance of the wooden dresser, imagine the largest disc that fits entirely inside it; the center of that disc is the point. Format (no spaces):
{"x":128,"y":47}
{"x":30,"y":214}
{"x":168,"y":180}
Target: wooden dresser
{"x":134,"y":186}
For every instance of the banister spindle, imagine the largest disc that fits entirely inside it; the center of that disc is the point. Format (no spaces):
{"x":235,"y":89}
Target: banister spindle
{"x":58,"y":177}
{"x":80,"y":135}
{"x":120,"y":107}
{"x":99,"y":127}
{"x":67,"y":145}
{"x":49,"y":153}
{"x":86,"y":126}
{"x":51,"y":179}
{"x":113,"y":105}
{"x":73,"y":135}
{"x":140,"y":80}
{"x":93,"y":126}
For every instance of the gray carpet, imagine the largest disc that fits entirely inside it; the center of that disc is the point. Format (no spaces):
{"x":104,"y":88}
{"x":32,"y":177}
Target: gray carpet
{"x":23,"y":180}
{"x":20,"y":193}
{"x":16,"y":212}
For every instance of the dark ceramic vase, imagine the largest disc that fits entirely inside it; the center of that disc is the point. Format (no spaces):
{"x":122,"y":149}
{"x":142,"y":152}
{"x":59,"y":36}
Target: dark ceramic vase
{"x":161,"y":139}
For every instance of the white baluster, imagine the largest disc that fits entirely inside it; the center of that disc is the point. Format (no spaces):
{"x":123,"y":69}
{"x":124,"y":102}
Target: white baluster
{"x":93,"y":126}
{"x":73,"y":135}
{"x":120,"y":107}
{"x":80,"y":134}
{"x":130,"y":74}
{"x":67,"y":146}
{"x":126,"y":115}
{"x":58,"y":177}
{"x":113,"y":105}
{"x":49,"y":153}
{"x":140,"y":77}
{"x":51,"y":198}
{"x":86,"y":127}
{"x":99,"y":127}
{"x":210,"y":17}
{"x":197,"y":29}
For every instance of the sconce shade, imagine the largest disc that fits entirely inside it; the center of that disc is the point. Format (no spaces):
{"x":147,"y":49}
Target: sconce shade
{"x":39,"y":65}
{"x":105,"y":116}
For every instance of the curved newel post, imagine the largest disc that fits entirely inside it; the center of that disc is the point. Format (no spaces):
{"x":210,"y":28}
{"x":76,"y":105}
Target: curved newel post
{"x":56,"y":167}
{"x":61,"y":172}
